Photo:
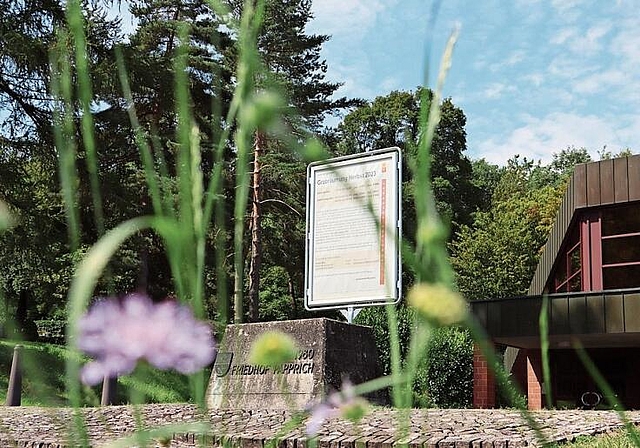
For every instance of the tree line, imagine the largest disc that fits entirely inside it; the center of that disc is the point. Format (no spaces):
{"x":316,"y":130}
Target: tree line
{"x":499,"y":216}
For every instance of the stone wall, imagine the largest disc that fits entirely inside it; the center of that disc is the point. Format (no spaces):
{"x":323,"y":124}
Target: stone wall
{"x":433,"y":428}
{"x":28,"y":426}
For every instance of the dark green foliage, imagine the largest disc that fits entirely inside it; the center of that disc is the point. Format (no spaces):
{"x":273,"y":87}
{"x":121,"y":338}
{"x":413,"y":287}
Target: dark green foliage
{"x":485,"y":178}
{"x":376,"y":318}
{"x":293,"y":58}
{"x":149,"y":58}
{"x":449,"y":369}
{"x":36,"y":259}
{"x":393,"y":120}
{"x":51,"y":330}
{"x":560,"y":168}
{"x":276,"y":303}
{"x":497,"y":255}
{"x":26,"y":36}
{"x":445,"y":378}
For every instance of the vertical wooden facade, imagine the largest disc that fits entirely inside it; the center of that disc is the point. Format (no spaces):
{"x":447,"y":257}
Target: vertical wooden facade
{"x":590,"y":271}
{"x":594,"y":184}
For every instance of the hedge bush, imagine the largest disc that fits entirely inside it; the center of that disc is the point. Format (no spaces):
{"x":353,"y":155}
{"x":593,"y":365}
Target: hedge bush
{"x":445,"y":378}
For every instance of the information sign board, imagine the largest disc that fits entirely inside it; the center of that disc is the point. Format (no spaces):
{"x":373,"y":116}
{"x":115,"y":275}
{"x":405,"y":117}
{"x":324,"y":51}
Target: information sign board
{"x":353,"y":230}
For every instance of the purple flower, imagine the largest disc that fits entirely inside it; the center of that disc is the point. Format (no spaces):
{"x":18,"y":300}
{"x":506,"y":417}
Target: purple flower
{"x":345,"y":404}
{"x":120,"y":333}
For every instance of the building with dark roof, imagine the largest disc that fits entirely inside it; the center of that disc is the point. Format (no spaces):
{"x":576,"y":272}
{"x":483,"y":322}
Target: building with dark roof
{"x":590,"y":271}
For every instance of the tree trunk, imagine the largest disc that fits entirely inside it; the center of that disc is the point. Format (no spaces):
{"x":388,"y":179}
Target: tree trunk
{"x":292,"y":293}
{"x":256,"y":224}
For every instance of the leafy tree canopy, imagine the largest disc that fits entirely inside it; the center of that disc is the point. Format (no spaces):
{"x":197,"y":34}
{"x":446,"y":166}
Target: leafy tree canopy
{"x":393,"y":120}
{"x":497,"y":255}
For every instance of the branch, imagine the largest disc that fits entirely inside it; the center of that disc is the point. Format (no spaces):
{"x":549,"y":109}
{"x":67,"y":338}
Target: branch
{"x":33,"y":112}
{"x":282,"y":203}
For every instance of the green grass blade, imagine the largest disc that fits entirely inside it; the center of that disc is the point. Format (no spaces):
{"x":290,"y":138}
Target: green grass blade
{"x":607,"y":391}
{"x":394,"y":354}
{"x":419,"y":344}
{"x":166,"y":184}
{"x":76,"y":25}
{"x":503,"y":380}
{"x":543,"y":322}
{"x":185,"y":128}
{"x":145,"y":151}
{"x":199,"y":228}
{"x":432,"y":257}
{"x":247,"y":64}
{"x":429,"y":118}
{"x":64,"y":135}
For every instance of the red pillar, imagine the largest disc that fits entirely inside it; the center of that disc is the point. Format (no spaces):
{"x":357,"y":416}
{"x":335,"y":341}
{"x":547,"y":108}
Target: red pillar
{"x":484,"y":385}
{"x":534,"y":380}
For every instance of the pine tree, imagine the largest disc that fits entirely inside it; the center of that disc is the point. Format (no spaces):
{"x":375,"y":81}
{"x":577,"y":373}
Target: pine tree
{"x":293,"y":64}
{"x":35,"y":256}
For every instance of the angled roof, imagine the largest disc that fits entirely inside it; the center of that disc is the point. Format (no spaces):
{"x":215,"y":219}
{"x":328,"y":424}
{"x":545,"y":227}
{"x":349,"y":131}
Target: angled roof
{"x":592,"y":184}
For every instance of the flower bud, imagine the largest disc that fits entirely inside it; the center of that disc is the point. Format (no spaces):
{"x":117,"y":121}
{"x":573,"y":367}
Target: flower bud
{"x":272,"y":349}
{"x":355,"y":410}
{"x":263,"y":110}
{"x":437,"y":303}
{"x":313,"y":150}
{"x":431,"y":232}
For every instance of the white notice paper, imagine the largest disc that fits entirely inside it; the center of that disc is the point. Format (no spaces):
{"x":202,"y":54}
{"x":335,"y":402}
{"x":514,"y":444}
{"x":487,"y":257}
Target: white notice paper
{"x":353,"y":214}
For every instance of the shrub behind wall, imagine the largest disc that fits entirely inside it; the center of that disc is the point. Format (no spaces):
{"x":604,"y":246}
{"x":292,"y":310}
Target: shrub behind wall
{"x":446,"y":377}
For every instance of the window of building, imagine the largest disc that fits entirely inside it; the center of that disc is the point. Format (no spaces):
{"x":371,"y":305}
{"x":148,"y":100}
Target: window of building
{"x":621,"y":247}
{"x":569,"y":271}
{"x":602,"y":251}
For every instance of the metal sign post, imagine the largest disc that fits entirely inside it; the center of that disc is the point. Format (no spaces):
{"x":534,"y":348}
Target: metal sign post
{"x":350,"y":313}
{"x":353,"y":232}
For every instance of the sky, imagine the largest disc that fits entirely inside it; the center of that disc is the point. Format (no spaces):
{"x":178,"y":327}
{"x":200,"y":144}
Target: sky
{"x":533,"y":77}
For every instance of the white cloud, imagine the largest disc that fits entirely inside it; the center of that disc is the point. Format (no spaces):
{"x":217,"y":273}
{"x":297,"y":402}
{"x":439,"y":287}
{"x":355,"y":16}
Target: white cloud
{"x":540,"y":138}
{"x":480,"y":63}
{"x":590,"y":42}
{"x":567,"y":9}
{"x":563,"y":35}
{"x":514,"y":58}
{"x":600,"y":81}
{"x":352,"y":77}
{"x":629,"y":135}
{"x":627,"y":41}
{"x":565,"y":5}
{"x":345,"y":18}
{"x":351,"y":60}
{"x":536,"y":78}
{"x":564,"y":66}
{"x":390,"y":83}
{"x":562,"y":96}
{"x":587,"y":42}
{"x":496,"y":90}
{"x":531,"y":10}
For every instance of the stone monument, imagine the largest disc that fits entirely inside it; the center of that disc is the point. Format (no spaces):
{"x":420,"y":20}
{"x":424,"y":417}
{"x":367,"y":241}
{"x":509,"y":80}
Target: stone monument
{"x":329,"y":352}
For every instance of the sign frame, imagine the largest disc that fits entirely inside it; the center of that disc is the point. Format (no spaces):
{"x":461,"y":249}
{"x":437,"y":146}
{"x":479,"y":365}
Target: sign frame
{"x":342,"y":182}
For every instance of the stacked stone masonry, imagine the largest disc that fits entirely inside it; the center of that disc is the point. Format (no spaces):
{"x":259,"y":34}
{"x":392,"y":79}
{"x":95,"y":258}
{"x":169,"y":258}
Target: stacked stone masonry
{"x":434,"y":428}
